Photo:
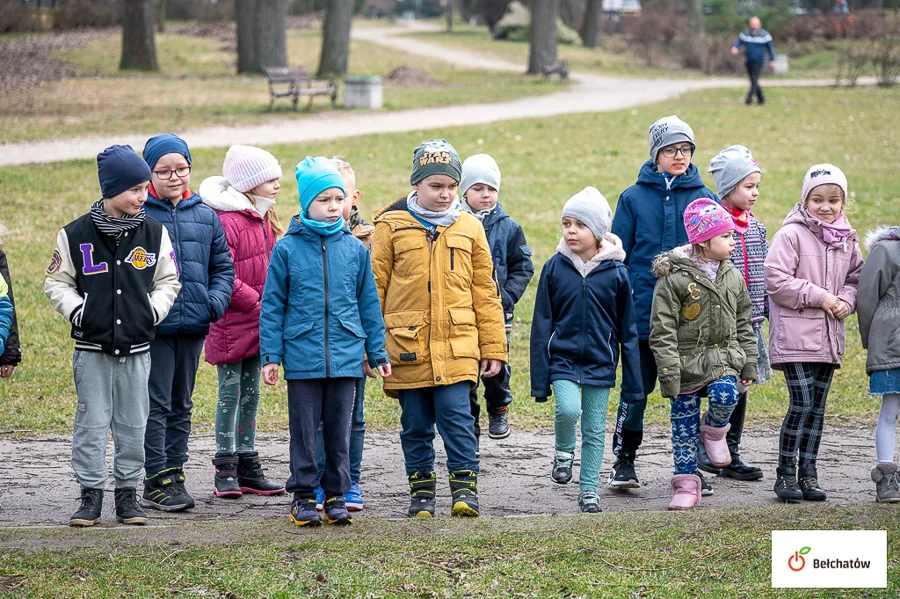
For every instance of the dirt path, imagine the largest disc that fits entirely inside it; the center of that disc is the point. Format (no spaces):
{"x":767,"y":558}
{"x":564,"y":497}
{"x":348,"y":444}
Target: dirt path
{"x":38,"y":488}
{"x":590,"y":93}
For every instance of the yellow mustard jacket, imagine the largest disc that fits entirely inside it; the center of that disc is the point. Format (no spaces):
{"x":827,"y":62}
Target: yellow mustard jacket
{"x":439,"y":298}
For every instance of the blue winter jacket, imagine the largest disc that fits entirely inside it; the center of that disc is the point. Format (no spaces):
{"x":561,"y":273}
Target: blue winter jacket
{"x":511,"y":256}
{"x":580,"y":324}
{"x":650,"y":220}
{"x":756,"y":46}
{"x":320,"y":311}
{"x":6,"y":317}
{"x":204,"y":264}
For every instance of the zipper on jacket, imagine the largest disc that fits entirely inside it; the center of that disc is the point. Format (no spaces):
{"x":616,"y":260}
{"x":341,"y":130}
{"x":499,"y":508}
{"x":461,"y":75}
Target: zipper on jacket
{"x":451,"y":258}
{"x":325,"y":274}
{"x":612,"y":357}
{"x":180,"y":255}
{"x":583,"y":302}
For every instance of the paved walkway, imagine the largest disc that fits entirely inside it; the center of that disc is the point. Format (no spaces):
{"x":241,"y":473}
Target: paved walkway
{"x":589,"y":93}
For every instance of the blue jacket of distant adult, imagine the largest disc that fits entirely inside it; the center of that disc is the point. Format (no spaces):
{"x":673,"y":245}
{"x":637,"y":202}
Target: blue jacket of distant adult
{"x":581,"y":322}
{"x":756,"y":45}
{"x":320,"y":312}
{"x":511,"y":256}
{"x":650,"y":220}
{"x":204,"y":263}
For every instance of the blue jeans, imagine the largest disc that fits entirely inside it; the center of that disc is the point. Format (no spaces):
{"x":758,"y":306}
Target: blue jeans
{"x":357,"y":436}
{"x":448,"y":408}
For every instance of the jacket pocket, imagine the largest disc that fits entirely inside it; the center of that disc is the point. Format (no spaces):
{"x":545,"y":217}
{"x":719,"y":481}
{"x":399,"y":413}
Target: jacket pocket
{"x":298,"y":341}
{"x":354,"y":326}
{"x":408,"y":260}
{"x":406,"y":341}
{"x":801,"y":330}
{"x":737,"y":358}
{"x":460,"y":254}
{"x":463,"y":334}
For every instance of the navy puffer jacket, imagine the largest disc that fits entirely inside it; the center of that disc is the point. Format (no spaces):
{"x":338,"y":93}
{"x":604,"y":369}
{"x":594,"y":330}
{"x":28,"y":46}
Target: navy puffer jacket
{"x":650,"y":220}
{"x":204,"y":263}
{"x":511,"y":256}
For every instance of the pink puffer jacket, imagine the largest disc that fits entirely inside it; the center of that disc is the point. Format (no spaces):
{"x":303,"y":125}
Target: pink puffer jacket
{"x":800,"y":269}
{"x":235,"y":336}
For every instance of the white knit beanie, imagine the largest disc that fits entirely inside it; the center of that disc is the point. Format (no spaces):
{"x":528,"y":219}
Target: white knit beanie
{"x":590,"y":207}
{"x":480,"y":168}
{"x":247,"y":167}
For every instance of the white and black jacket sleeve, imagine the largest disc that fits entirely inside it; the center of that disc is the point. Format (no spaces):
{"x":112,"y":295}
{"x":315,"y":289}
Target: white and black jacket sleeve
{"x":165,"y":280}
{"x":60,"y":285}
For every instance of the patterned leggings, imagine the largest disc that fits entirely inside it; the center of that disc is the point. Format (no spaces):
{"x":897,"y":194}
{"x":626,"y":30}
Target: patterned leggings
{"x":723,"y":396}
{"x":808,"y":385}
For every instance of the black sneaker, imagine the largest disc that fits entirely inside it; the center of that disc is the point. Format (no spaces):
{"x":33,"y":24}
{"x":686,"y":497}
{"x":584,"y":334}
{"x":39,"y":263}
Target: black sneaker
{"x":304,"y":513}
{"x":623,"y":475}
{"x":422,"y":487}
{"x":91,"y":507}
{"x":498,"y":426}
{"x":165,"y":491}
{"x":336,"y":511}
{"x":808,"y":481}
{"x":706,"y":489}
{"x":464,"y":490}
{"x":127,"y":509}
{"x":786,"y":487}
{"x":561,"y":472}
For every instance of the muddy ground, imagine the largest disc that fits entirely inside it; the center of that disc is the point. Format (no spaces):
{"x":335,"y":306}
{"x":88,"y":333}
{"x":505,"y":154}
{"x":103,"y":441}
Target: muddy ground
{"x":38,"y":487}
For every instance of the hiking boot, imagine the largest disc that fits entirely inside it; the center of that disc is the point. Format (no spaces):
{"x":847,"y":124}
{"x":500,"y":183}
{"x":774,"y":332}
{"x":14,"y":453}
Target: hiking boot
{"x":165,"y":491}
{"x":303,"y":512}
{"x":498,"y":426}
{"x":886,"y":477}
{"x":320,"y":498}
{"x":685,"y":491}
{"x":336,"y":512}
{"x":706,"y":489}
{"x":809,"y":484}
{"x":226,"y":480}
{"x":713,"y":440}
{"x":353,"y":498}
{"x":422,"y":488}
{"x":252,"y":478}
{"x":464,"y":490}
{"x":589,"y":502}
{"x":562,"y":467}
{"x":127,"y":509}
{"x":91,"y":507}
{"x":786,"y":487}
{"x":623,"y":475}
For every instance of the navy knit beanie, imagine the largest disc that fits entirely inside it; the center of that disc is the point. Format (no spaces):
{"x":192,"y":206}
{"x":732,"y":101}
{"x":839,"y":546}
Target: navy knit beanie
{"x":167,"y":143}
{"x":119,"y":168}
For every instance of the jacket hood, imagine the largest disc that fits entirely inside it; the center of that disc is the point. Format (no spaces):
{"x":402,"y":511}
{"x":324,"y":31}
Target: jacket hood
{"x":218,"y":194}
{"x":398,"y":205}
{"x":496,"y":215}
{"x":649,"y":176}
{"x":612,"y":250}
{"x":873,"y":237}
{"x":680,"y":258}
{"x":798,"y":215}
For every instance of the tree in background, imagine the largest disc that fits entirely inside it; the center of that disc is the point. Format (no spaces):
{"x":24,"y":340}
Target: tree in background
{"x":590,"y":24}
{"x":336,"y":38}
{"x":543,"y":35}
{"x":245,"y":16}
{"x":161,"y":16}
{"x":269,"y":33}
{"x":138,"y":36}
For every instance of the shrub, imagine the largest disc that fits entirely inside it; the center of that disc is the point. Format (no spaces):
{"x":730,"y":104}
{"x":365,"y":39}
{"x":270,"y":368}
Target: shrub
{"x":81,"y":14}
{"x":18,"y":18}
{"x":650,"y":32}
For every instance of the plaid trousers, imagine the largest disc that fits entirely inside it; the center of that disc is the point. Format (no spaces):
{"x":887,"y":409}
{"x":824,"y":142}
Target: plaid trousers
{"x":808,"y":385}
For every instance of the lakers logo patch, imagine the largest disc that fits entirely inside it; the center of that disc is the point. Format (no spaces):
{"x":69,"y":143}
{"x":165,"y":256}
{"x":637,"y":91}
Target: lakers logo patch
{"x":140,"y":258}
{"x":55,"y":263}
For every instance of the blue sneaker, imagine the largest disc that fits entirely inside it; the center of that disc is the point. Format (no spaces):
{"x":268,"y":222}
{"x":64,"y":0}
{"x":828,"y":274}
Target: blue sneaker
{"x":353,"y":498}
{"x":320,"y":499}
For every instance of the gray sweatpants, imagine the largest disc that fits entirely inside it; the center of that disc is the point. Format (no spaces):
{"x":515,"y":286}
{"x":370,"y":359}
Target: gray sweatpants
{"x":112,"y":393}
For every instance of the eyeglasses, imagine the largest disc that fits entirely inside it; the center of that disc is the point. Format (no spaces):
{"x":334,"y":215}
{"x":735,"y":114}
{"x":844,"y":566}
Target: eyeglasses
{"x":179,"y":172}
{"x":670,"y":152}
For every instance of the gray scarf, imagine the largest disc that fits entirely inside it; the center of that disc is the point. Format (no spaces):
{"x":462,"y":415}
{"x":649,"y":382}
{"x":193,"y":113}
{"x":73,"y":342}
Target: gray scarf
{"x":438,"y":219}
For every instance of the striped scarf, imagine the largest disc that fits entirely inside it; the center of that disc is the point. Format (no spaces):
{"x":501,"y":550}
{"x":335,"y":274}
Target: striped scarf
{"x":112,"y":226}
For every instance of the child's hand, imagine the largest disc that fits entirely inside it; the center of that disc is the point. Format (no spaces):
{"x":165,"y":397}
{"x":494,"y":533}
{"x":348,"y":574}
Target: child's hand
{"x":491,"y":367}
{"x":384,"y":370}
{"x":842,"y":310}
{"x":270,"y":373}
{"x":367,"y":370}
{"x":6,"y":370}
{"x":746,"y":382}
{"x":830,"y":304}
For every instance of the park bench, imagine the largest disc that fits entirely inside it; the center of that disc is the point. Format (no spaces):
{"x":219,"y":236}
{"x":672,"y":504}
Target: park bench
{"x":290,"y":83}
{"x":560,"y":67}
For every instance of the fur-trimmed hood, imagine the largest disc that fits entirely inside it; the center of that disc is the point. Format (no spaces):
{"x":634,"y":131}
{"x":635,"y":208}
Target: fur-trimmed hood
{"x":612,"y":250}
{"x":680,"y":257}
{"x":873,"y":237}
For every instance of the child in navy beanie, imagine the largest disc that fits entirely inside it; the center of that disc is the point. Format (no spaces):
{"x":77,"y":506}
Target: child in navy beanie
{"x":207,"y":279}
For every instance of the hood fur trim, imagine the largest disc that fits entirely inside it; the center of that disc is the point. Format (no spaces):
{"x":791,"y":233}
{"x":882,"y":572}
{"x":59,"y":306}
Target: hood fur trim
{"x":881,"y":234}
{"x":662,"y":264}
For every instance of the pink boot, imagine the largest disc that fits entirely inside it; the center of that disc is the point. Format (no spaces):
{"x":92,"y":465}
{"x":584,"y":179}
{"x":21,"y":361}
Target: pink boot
{"x":715,"y":444}
{"x":685,"y":491}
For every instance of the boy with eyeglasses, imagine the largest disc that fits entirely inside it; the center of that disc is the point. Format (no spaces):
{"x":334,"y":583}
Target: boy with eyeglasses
{"x":207,"y":278}
{"x":649,"y":220}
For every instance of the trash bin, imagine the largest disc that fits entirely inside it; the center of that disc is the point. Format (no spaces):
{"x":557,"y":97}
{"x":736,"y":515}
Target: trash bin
{"x":362,"y":91}
{"x":781,"y":64}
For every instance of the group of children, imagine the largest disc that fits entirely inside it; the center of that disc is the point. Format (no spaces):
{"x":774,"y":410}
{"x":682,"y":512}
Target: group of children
{"x":677,"y":284}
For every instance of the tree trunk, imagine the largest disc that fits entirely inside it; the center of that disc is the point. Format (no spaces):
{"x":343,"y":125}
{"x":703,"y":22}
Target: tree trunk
{"x":543,"y":35}
{"x":161,"y":16}
{"x":245,"y":15}
{"x":269,"y":33}
{"x":590,"y":26}
{"x":138,"y":37}
{"x":695,"y":10}
{"x":568,"y":13}
{"x":448,"y":11}
{"x":336,"y":38}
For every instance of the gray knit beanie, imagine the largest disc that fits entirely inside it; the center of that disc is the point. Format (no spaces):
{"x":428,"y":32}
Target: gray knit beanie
{"x":667,"y":131}
{"x":435,"y":157}
{"x":480,"y":168}
{"x":730,"y":166}
{"x":590,"y":207}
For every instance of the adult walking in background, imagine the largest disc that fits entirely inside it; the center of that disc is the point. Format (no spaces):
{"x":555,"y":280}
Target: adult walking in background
{"x":756,"y":42}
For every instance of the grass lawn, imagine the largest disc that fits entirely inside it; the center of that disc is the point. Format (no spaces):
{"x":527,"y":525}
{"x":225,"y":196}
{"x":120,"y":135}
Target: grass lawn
{"x":658,"y":555}
{"x":196,"y":87}
{"x":544,"y":162}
